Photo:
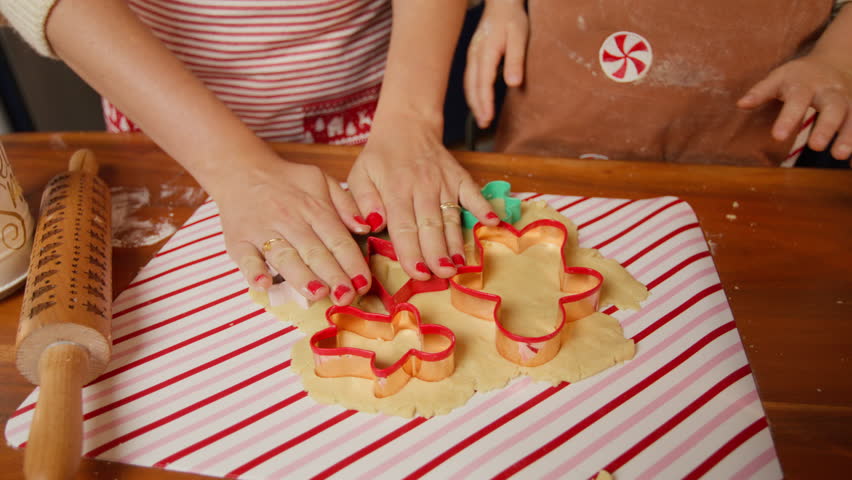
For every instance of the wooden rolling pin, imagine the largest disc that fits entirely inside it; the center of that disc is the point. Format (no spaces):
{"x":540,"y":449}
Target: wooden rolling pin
{"x":63,"y":337}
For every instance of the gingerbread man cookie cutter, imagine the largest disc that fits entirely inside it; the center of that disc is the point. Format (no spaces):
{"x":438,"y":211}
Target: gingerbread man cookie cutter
{"x":334,"y":358}
{"x":432,"y":361}
{"x":581,"y":287}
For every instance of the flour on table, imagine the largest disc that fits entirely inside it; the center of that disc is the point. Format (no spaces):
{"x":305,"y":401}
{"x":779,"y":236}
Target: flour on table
{"x":141,"y":217}
{"x":128,"y":228}
{"x":181,"y":195}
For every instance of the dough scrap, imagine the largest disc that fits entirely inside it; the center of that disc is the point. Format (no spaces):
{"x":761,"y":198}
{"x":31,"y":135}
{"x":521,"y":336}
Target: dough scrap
{"x":590,"y":345}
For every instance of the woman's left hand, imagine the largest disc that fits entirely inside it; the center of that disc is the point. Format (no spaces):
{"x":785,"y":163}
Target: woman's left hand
{"x":406,"y":180}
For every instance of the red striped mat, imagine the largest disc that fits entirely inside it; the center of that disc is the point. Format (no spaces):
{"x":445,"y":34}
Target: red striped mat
{"x":200,"y":379}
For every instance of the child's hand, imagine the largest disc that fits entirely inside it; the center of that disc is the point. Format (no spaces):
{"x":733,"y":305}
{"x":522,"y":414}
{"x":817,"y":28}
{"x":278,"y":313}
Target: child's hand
{"x":287,"y":214}
{"x":502,"y":32}
{"x":811,"y":81}
{"x":402,"y":177}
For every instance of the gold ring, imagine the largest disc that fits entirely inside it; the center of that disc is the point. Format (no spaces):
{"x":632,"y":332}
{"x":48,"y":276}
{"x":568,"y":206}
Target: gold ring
{"x":448,"y":205}
{"x":267,"y":245}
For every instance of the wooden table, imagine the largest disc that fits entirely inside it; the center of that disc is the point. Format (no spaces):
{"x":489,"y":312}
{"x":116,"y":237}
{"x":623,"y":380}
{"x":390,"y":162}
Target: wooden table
{"x":780,"y":239}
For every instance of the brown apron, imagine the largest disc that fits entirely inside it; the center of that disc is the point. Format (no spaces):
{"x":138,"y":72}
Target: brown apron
{"x":655,"y":79}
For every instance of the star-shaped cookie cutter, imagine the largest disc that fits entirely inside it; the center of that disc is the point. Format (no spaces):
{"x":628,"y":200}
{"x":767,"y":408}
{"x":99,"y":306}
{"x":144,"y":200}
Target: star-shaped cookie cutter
{"x":380,"y":246}
{"x":333,"y":358}
{"x":581,"y":285}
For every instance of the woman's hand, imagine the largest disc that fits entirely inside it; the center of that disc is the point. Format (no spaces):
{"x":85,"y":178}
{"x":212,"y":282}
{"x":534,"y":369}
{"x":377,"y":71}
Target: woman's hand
{"x":291,"y":209}
{"x":289,"y":215}
{"x":401,"y":179}
{"x":501,"y":34}
{"x":404,"y":178}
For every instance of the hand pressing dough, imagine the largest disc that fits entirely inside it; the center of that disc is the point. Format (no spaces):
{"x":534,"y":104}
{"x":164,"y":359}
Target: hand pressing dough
{"x":590,"y":345}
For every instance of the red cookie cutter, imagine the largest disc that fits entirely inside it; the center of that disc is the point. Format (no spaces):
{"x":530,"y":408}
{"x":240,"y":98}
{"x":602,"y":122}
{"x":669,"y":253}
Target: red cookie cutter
{"x":430,"y":362}
{"x":379,"y":246}
{"x":582,"y":286}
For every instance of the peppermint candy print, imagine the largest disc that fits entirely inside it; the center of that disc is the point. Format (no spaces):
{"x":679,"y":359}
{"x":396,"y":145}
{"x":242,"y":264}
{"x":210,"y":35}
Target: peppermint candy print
{"x":115,"y":120}
{"x":625,"y":57}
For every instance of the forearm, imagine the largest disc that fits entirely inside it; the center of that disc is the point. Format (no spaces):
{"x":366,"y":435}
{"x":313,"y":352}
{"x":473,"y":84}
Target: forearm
{"x":423,"y":40}
{"x":104,"y":42}
{"x":835,"y":44}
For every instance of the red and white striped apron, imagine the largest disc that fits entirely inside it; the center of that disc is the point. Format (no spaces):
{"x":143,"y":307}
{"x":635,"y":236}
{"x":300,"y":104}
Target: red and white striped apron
{"x":295,"y":70}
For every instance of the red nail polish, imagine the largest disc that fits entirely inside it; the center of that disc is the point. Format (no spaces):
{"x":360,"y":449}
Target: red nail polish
{"x":263,"y":281}
{"x":492,"y":215}
{"x":359,"y":282}
{"x":445,"y":262}
{"x":314,"y":286}
{"x":459,"y":260}
{"x":360,"y":219}
{"x":340,"y":291}
{"x":374,"y":220}
{"x":422,"y":268}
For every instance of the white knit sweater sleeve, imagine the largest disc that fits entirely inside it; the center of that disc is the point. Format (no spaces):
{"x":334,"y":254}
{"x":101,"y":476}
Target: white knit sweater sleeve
{"x":28,"y":18}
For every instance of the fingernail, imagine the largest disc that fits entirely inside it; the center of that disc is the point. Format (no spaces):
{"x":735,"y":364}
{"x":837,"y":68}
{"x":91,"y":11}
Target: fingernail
{"x":340,"y":291}
{"x":422,"y":268}
{"x":374,"y":220}
{"x":363,"y":227}
{"x":314,"y":286}
{"x":492,"y":216}
{"x":843,"y":151}
{"x":458,"y":259}
{"x":263,"y":281}
{"x":780,"y":132}
{"x":445,"y":262}
{"x":359,"y":282}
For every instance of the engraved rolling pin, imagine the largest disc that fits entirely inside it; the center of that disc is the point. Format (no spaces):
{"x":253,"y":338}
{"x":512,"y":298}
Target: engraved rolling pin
{"x":63,"y":337}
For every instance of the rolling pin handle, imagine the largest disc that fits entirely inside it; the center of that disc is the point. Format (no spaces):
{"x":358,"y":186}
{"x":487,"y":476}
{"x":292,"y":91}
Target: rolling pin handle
{"x":83,"y":160}
{"x":55,"y":443}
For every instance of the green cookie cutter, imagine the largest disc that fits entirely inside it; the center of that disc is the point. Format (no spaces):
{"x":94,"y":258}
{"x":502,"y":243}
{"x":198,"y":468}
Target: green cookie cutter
{"x":497,"y":189}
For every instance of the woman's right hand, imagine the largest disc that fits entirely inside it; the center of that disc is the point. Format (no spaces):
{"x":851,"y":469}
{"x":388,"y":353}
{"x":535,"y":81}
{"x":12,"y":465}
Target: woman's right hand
{"x":286,"y":214}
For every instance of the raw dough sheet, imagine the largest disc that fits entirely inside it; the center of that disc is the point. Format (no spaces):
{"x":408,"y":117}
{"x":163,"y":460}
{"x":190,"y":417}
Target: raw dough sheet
{"x":528,"y":283}
{"x":201,"y":379}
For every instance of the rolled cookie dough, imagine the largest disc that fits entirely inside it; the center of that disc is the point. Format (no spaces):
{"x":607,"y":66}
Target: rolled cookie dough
{"x":590,"y":345}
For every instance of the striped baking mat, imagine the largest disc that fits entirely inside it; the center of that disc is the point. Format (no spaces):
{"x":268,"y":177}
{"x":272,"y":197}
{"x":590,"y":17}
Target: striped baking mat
{"x":200,"y":379}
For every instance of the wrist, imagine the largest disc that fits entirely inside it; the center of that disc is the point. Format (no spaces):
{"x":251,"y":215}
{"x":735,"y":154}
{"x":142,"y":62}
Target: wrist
{"x":834,"y":44}
{"x":220,"y":174}
{"x":424,"y":117}
{"x":836,"y":59}
{"x":504,"y":4}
